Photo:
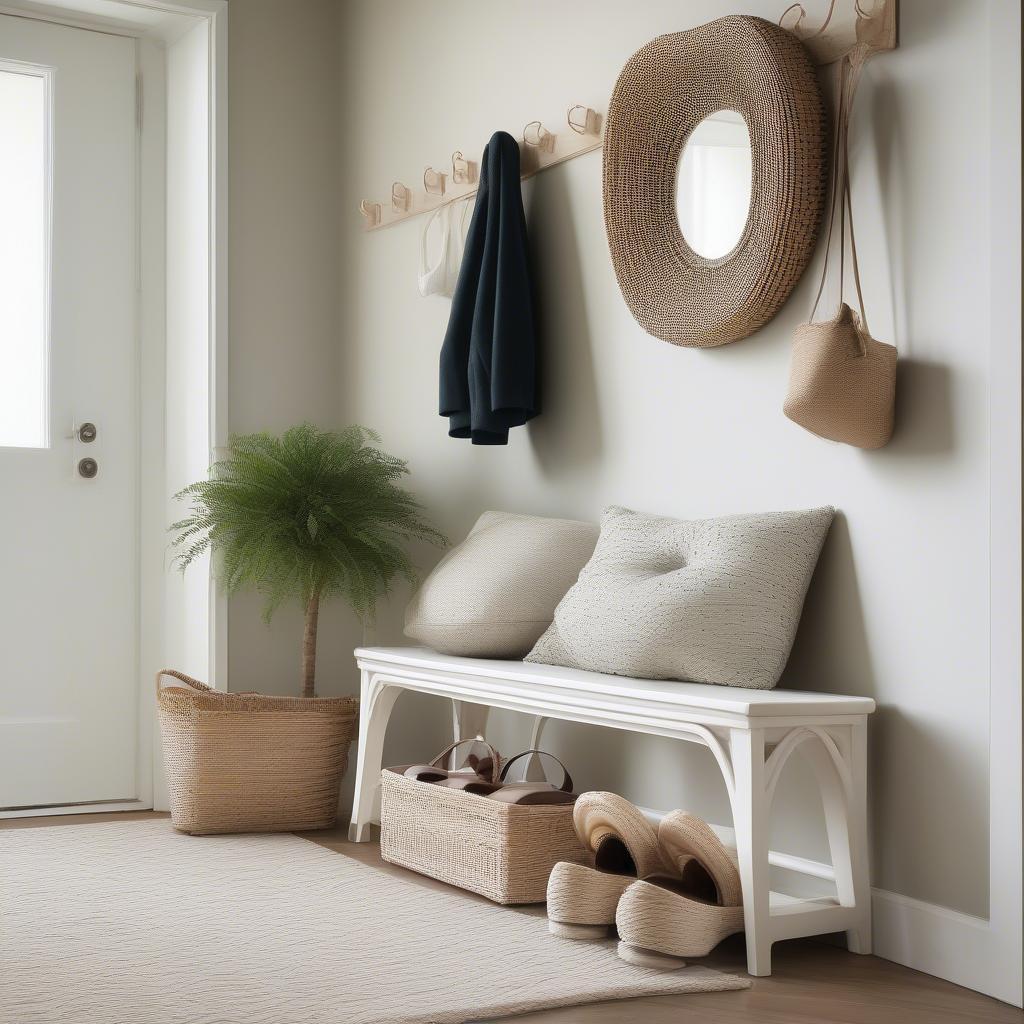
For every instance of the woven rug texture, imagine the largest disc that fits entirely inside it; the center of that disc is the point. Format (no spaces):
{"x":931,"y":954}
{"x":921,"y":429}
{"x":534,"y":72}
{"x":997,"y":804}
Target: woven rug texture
{"x":134,"y":923}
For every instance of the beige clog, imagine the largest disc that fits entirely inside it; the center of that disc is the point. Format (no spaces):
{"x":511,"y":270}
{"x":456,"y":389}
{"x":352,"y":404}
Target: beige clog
{"x":582,"y":900}
{"x":662,"y":919}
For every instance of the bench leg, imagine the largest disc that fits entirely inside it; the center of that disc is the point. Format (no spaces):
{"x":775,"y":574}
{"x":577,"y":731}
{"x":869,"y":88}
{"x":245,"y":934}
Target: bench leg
{"x":468,"y":720}
{"x":376,"y":702}
{"x":750,"y":820}
{"x":846,"y":825}
{"x":858,"y":939}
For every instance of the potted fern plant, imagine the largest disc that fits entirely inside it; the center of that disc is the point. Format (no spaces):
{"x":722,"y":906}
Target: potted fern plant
{"x":307,"y":516}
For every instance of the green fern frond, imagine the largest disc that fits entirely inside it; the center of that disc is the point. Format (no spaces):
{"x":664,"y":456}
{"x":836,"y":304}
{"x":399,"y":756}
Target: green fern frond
{"x":307,"y":515}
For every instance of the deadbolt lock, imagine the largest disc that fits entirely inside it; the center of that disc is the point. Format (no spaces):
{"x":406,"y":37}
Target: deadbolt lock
{"x":87,"y":433}
{"x":88,"y":468}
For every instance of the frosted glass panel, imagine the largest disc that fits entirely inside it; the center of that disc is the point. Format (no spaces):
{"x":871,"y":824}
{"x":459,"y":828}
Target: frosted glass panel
{"x":24,"y":197}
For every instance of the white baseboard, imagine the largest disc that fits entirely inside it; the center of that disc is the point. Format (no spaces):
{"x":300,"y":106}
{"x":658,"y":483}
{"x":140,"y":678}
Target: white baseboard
{"x":90,"y":808}
{"x":944,"y":943}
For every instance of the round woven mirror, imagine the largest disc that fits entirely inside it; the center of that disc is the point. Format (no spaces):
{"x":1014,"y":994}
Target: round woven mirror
{"x":742,"y":70}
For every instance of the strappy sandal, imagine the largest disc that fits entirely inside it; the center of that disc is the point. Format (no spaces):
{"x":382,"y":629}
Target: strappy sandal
{"x":662,"y":919}
{"x":582,"y":900}
{"x":529,"y":792}
{"x":473,"y":780}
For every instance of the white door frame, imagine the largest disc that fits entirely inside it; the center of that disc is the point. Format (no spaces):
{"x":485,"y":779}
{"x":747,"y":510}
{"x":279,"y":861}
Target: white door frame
{"x":157,"y":26}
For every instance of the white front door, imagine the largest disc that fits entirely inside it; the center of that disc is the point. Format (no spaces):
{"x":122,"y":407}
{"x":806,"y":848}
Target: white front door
{"x":68,"y":357}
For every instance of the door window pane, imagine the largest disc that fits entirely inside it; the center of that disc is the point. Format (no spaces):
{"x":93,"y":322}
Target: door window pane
{"x":24,"y":245}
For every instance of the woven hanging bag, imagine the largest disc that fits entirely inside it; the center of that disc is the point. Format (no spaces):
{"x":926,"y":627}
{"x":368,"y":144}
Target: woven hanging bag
{"x":245,"y":762}
{"x":842,"y":382}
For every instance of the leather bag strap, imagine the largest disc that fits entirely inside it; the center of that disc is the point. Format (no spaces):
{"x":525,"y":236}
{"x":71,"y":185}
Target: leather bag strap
{"x":495,"y":759}
{"x":840,"y":192}
{"x":566,"y":786}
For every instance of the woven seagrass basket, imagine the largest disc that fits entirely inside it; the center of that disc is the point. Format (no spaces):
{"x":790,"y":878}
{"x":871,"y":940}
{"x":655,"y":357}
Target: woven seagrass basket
{"x":245,"y":762}
{"x":502,"y":851}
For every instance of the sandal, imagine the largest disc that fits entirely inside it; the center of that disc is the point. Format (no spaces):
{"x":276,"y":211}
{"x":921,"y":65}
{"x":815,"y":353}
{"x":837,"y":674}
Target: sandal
{"x":528,"y":792}
{"x":661,"y":919}
{"x":582,"y":900}
{"x":471,"y":781}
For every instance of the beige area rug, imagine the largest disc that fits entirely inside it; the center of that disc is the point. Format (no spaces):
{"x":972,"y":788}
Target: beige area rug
{"x":133,"y":923}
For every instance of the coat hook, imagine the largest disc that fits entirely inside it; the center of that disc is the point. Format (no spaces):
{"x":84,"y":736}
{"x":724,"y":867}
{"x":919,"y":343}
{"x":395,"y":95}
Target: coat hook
{"x":542,"y":139}
{"x":371,"y":211}
{"x":401,"y":198}
{"x":872,"y":29}
{"x":434,"y":182}
{"x":589,"y":123}
{"x":463,"y":170}
{"x":801,"y":13}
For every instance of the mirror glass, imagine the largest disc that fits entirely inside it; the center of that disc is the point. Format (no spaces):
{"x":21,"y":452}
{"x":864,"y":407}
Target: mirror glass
{"x":713,"y":184}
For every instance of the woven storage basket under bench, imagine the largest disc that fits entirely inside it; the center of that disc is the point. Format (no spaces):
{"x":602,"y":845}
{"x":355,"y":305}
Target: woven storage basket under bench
{"x":502,"y":851}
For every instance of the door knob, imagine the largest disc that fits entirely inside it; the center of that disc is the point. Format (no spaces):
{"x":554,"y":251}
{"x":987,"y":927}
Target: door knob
{"x":87,"y":433}
{"x":88,"y":468}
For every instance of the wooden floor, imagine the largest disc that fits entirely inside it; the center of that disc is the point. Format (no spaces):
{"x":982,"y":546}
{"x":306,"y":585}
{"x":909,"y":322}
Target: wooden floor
{"x":812,"y":981}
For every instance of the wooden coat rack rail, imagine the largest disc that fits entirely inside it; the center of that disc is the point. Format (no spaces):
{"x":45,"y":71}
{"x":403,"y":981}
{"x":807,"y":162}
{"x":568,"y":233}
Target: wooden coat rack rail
{"x":539,"y":149}
{"x":860,"y":28}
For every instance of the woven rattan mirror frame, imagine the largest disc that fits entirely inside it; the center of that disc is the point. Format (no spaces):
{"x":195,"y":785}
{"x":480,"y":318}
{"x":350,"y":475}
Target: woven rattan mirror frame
{"x":665,"y":90}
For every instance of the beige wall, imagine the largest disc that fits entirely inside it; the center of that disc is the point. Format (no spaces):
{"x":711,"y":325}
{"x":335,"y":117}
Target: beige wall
{"x":330,"y":104}
{"x":285,"y":244}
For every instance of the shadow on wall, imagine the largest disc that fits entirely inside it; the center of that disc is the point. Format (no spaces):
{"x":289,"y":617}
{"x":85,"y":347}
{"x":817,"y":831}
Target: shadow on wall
{"x":566,"y":437}
{"x":890,"y":173}
{"x":936,"y":763}
{"x":832,"y":629}
{"x":924,"y":410}
{"x":883,"y":128}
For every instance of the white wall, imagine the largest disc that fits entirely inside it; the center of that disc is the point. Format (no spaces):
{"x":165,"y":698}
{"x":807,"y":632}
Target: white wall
{"x":284,"y":264}
{"x":331,"y":102}
{"x":899,"y":607}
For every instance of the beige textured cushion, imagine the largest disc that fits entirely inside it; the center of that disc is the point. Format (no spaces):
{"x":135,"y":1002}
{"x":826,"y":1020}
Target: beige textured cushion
{"x":710,"y":601}
{"x":494,"y":594}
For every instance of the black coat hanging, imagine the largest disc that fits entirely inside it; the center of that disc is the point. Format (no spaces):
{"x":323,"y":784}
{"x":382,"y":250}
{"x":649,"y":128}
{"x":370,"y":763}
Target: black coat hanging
{"x":489,"y":356}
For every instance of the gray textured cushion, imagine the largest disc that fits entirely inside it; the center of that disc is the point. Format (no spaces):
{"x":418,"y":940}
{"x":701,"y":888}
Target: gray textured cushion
{"x":494,"y":594}
{"x":710,"y":601}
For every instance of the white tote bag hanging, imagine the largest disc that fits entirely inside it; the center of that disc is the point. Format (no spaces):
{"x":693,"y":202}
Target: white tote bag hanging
{"x":439,"y":278}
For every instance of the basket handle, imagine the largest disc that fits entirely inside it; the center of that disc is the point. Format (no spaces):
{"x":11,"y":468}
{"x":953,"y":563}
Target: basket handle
{"x":566,"y":786}
{"x":181,"y":677}
{"x":495,"y":757}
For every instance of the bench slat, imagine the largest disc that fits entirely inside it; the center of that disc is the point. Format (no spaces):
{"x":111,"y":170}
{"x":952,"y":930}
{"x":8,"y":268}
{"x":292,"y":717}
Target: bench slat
{"x":732,"y":699}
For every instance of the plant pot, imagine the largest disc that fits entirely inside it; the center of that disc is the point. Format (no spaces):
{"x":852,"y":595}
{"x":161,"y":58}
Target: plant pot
{"x":245,"y":762}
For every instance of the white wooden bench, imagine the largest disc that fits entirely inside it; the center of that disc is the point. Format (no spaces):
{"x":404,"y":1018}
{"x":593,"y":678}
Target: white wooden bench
{"x":751,"y":734}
